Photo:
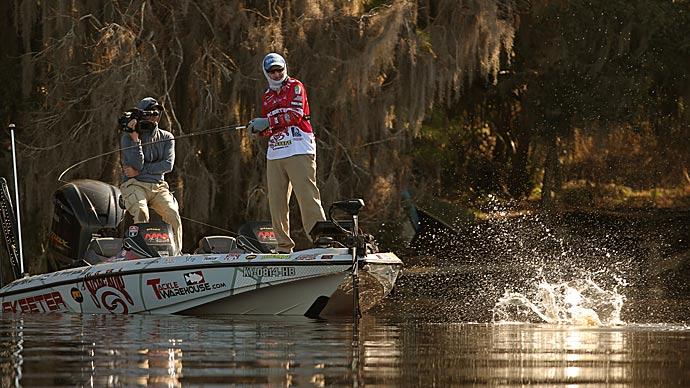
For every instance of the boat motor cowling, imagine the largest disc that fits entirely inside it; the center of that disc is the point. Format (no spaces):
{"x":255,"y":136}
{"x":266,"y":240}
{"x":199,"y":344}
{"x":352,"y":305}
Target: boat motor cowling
{"x":82,"y":209}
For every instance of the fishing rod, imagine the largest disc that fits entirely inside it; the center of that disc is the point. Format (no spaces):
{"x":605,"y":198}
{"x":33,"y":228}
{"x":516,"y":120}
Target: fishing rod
{"x":12,"y":128}
{"x":206,"y":132}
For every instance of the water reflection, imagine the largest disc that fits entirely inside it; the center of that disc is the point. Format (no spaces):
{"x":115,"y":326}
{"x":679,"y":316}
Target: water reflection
{"x":548,"y":354}
{"x":172,"y":351}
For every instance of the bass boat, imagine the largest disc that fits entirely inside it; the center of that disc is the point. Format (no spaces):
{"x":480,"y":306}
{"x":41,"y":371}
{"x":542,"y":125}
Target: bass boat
{"x":99,"y":265}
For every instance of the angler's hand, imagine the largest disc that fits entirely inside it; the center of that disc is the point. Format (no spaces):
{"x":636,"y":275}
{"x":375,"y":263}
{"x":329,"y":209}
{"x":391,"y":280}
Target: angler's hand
{"x":129,"y":171}
{"x":258,"y":125}
{"x":134,"y":134}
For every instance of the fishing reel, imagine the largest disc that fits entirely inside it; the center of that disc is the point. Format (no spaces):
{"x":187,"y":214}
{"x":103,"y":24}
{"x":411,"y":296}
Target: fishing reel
{"x":135,"y":114}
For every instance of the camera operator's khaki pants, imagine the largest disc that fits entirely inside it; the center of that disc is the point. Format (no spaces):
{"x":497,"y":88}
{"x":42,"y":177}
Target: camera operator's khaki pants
{"x":296,"y":172}
{"x":138,"y":196}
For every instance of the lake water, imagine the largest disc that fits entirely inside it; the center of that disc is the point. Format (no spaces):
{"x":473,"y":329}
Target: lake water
{"x":108,"y":350}
{"x":526,"y":301}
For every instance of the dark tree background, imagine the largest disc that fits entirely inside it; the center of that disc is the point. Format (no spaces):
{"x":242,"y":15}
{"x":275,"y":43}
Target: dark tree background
{"x":557,"y":101}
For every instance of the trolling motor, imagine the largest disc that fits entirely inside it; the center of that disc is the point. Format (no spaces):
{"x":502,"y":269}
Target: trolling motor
{"x":333,"y":233}
{"x":343,"y":233}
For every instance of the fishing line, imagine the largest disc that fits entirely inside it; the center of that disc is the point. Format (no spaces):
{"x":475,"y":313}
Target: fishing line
{"x":241,"y":239}
{"x":206,"y":132}
{"x":210,"y":226}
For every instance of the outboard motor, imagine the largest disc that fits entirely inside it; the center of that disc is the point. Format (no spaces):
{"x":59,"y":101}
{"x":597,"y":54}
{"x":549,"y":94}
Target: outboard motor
{"x":83,"y":209}
{"x":90,"y":222}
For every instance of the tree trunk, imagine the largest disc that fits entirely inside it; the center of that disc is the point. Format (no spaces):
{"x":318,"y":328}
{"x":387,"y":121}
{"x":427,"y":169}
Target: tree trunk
{"x":519,"y":180}
{"x":550,"y":183}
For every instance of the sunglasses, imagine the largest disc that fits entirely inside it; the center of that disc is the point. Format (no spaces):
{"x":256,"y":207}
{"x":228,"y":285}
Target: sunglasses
{"x":150,"y":113}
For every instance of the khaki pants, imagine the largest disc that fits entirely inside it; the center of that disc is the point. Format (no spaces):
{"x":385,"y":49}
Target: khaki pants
{"x":139,"y":196}
{"x":298,"y":172}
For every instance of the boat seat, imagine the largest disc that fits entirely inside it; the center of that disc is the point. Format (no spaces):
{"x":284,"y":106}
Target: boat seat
{"x":216,"y":244}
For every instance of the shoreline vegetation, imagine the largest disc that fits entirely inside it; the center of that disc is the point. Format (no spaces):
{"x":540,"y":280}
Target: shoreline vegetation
{"x":482,"y":108}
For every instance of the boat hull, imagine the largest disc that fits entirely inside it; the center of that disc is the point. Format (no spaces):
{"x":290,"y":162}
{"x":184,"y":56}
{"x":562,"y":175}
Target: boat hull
{"x":313,"y":283}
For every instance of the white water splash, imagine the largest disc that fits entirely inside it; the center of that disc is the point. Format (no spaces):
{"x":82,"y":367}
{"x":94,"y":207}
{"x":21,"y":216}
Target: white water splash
{"x":577,"y":302}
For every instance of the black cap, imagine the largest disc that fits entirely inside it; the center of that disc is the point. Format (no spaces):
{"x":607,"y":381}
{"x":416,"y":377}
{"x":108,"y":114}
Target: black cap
{"x":149,"y":103}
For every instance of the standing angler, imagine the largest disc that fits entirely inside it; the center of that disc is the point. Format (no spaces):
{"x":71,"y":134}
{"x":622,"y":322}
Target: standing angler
{"x":291,"y":150}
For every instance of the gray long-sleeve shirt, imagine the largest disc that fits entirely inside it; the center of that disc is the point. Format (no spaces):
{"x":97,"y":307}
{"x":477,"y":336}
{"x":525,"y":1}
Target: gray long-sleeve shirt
{"x":152,"y":161}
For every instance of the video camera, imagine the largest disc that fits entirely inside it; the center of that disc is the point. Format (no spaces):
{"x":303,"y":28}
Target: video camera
{"x":135,"y":114}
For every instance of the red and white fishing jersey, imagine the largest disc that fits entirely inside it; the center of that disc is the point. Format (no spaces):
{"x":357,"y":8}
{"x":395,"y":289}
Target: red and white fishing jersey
{"x":290,"y":131}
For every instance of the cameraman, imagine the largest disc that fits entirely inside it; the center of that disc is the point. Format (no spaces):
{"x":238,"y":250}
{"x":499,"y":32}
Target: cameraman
{"x":144,"y":167}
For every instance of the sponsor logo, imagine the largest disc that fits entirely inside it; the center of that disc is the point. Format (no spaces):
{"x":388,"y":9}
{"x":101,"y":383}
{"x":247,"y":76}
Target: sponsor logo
{"x":25,"y":280}
{"x":269,"y":272}
{"x":76,"y":295}
{"x":157,"y":237}
{"x":298,"y":90}
{"x":57,"y":240}
{"x":306,"y":257}
{"x":276,"y":257}
{"x":51,"y":301}
{"x":192,"y":278}
{"x":232,"y":256}
{"x":172,"y":289}
{"x":109,"y":292}
{"x":250,"y":257}
{"x":326,"y":257}
{"x":266,"y":235}
{"x":283,"y":143}
{"x":133,"y":231}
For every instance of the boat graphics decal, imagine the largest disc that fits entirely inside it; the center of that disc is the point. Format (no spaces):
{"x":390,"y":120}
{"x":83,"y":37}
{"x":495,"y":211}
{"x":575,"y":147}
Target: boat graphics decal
{"x":109,"y":292}
{"x":194,"y":283}
{"x":40,"y":303}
